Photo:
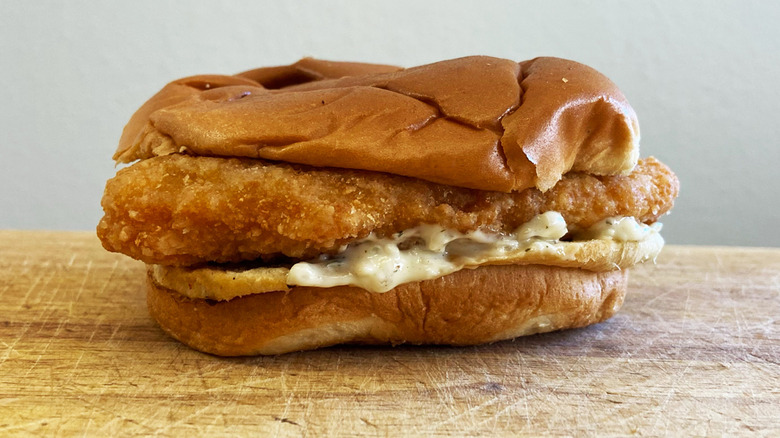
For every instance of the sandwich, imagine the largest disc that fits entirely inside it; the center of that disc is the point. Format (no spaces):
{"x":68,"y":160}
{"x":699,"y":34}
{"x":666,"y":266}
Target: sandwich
{"x":461,"y":202}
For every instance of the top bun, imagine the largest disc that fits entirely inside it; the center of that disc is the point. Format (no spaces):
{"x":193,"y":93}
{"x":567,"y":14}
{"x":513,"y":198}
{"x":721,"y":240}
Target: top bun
{"x":476,"y":122}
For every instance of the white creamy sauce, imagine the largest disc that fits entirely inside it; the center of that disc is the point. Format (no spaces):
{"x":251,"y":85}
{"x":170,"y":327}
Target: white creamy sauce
{"x":431,"y":251}
{"x":620,"y":229}
{"x":421,"y":253}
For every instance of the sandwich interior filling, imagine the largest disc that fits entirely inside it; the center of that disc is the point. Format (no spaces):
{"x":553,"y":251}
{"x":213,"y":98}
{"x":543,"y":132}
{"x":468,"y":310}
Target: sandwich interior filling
{"x":430,"y":251}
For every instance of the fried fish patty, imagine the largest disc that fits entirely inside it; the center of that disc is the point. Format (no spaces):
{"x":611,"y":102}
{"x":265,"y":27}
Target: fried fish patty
{"x":185,"y":210}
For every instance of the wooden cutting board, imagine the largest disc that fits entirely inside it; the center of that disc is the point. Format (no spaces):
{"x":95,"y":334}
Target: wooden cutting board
{"x":695,"y":351}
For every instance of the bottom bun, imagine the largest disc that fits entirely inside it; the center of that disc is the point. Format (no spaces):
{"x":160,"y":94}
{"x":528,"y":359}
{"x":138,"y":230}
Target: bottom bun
{"x":468,"y":307}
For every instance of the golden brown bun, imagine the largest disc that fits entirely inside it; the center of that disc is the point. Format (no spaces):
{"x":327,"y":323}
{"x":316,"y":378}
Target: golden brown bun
{"x":468,"y":307}
{"x":476,"y":122}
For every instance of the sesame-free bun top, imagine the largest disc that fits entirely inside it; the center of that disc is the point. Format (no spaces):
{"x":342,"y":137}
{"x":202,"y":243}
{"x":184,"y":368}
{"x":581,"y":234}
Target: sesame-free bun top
{"x":476,"y":122}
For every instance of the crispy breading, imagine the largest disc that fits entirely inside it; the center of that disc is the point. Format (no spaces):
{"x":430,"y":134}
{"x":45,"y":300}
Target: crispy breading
{"x":184,"y":210}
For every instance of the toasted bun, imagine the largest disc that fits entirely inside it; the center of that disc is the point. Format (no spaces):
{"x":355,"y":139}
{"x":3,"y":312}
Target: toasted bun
{"x":468,"y":307}
{"x":476,"y":122}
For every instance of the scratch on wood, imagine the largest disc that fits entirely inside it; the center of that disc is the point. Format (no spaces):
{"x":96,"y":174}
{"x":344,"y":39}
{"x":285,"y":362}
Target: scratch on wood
{"x":32,"y":287}
{"x":75,"y":367}
{"x":109,"y":278}
{"x":185,"y":419}
{"x":369,"y":423}
{"x":113,"y":413}
{"x":468,"y":413}
{"x":510,"y":407}
{"x":661,"y":410}
{"x":81,"y":288}
{"x":286,"y":420}
{"x":27,"y":426}
{"x":285,"y":412}
{"x":12,"y":348}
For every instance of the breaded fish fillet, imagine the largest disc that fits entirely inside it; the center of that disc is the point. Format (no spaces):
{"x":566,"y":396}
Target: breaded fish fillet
{"x":185,"y":210}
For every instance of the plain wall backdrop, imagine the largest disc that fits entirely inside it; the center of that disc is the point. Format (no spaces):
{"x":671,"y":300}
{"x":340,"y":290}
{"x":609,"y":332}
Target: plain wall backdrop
{"x":703,"y":76}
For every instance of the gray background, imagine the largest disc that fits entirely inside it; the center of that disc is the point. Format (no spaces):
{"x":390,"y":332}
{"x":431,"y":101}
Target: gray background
{"x":704,"y":78}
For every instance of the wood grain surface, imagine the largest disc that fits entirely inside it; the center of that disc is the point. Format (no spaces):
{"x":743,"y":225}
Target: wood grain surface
{"x":695,"y":351}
